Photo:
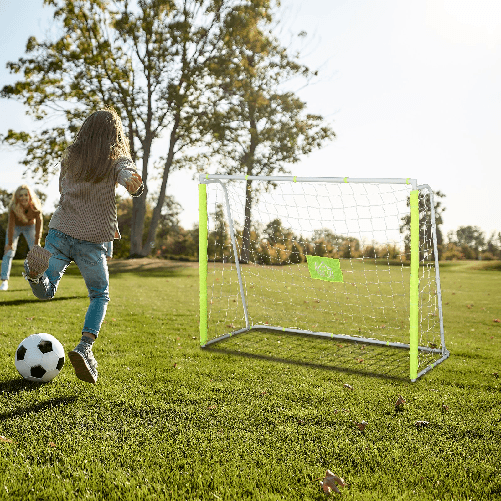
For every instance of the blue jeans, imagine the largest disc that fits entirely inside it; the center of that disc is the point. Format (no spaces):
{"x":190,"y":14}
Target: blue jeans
{"x":91,"y":261}
{"x":29,"y":234}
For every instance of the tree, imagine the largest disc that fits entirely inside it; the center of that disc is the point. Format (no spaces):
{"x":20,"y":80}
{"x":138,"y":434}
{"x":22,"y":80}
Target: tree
{"x":257,"y":127}
{"x":148,"y":65}
{"x":493,"y":246}
{"x":471,"y":237}
{"x":425,"y":216}
{"x":276,"y":234}
{"x":5,"y":198}
{"x":169,"y":218}
{"x":219,"y":237}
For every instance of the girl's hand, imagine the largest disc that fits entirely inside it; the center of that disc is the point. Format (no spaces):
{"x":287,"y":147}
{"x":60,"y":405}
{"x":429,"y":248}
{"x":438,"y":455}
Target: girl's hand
{"x":134,"y":183}
{"x":7,"y":248}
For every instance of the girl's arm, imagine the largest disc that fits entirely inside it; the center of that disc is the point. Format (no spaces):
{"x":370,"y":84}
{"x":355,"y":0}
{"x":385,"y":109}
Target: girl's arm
{"x":62,"y":174}
{"x":128,"y":177}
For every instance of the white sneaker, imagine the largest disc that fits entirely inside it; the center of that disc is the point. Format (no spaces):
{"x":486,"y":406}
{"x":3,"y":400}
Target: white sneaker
{"x":4,"y":286}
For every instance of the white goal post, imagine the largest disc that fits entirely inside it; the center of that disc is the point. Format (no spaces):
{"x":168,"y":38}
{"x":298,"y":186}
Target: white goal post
{"x":342,"y":258}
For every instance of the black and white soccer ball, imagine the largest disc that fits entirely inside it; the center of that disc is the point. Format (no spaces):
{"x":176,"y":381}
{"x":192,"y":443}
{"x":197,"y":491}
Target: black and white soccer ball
{"x":40,"y":357}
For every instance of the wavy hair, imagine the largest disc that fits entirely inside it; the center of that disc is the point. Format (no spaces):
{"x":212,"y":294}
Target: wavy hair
{"x":16,"y":207}
{"x":98,"y":144}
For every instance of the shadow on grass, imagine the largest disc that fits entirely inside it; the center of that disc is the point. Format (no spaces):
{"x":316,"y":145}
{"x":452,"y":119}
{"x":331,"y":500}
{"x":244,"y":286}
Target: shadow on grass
{"x":303,"y":363}
{"x":346,"y":357}
{"x":19,"y":384}
{"x":17,"y":302}
{"x":40,"y":407}
{"x":153,"y":267}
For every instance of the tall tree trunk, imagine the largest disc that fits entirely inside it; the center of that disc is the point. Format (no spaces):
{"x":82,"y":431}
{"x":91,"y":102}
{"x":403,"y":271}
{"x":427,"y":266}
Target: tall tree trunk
{"x":139,"y":212}
{"x":244,"y":258}
{"x":158,"y":208}
{"x":249,"y":163}
{"x":139,"y":203}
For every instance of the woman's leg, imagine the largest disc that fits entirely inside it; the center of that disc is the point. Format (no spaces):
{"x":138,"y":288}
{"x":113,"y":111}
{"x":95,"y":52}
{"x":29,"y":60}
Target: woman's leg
{"x":9,"y":255}
{"x":58,"y":244}
{"x":29,"y":234}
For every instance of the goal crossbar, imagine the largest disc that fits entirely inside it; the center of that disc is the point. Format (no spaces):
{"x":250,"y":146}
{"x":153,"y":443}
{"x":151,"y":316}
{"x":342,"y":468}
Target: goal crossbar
{"x":413,"y":347}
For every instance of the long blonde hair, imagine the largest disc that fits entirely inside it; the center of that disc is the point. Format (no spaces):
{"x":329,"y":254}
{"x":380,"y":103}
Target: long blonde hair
{"x":16,"y":207}
{"x":99,"y":142}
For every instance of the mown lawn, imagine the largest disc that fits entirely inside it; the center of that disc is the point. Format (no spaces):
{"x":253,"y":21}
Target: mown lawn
{"x":168,"y":420}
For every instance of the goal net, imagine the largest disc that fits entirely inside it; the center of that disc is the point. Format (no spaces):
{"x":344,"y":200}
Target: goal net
{"x":352,"y":260}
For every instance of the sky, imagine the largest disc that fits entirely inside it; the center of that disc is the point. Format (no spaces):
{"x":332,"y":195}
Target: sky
{"x":412,"y":89}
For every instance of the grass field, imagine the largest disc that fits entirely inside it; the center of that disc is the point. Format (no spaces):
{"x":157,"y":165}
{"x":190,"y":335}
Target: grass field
{"x":168,"y":420}
{"x":372,"y":301}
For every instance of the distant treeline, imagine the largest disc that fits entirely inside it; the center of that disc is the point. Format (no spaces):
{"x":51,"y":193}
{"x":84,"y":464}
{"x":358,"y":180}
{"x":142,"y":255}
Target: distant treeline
{"x":274,"y":244}
{"x":278,"y":247}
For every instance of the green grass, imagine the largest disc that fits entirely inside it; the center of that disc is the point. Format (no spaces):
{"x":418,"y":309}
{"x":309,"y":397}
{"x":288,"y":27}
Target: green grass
{"x":168,"y":420}
{"x":372,"y":301}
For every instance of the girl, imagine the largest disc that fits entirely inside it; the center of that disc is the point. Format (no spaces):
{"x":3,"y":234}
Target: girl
{"x":25,"y":217}
{"x":84,"y":221}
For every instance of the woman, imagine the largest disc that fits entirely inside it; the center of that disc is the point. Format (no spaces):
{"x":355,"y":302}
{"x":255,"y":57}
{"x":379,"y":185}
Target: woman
{"x":25,"y":218}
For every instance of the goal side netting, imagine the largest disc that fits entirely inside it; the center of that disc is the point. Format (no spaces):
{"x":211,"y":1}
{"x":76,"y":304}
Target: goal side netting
{"x":353,"y":260}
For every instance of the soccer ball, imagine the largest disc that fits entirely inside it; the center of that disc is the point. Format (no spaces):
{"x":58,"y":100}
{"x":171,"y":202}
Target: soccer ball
{"x":39,"y":357}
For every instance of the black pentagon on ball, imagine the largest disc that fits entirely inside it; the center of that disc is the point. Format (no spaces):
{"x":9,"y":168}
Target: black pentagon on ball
{"x":45,"y":346}
{"x":37,"y":371}
{"x":60,"y":363}
{"x":21,"y":351}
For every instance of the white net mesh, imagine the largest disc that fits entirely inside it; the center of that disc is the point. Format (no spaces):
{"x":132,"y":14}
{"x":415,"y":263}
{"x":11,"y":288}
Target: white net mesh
{"x":364,"y":226}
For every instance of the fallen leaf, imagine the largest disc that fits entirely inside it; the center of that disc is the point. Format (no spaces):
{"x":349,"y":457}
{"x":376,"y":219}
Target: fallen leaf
{"x":497,"y":320}
{"x":360,"y":360}
{"x":346,"y":385}
{"x":495,"y":374}
{"x":52,"y":444}
{"x":445,"y":407}
{"x":400,"y":402}
{"x":421,"y":424}
{"x":30,"y":318}
{"x":5,"y":439}
{"x":328,"y":484}
{"x":362,"y":425}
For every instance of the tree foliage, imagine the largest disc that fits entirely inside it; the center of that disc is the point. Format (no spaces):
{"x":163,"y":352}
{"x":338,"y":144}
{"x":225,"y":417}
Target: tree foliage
{"x":258,"y":127}
{"x":425,"y":229}
{"x":147,"y":63}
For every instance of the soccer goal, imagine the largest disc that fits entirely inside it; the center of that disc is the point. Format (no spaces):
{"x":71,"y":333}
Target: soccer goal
{"x":348,"y":259}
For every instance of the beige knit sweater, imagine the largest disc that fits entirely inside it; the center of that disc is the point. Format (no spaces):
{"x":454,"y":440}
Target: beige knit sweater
{"x":87,"y":211}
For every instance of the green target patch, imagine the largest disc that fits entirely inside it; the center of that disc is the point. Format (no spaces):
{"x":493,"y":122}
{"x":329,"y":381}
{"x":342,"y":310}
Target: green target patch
{"x":324,"y":268}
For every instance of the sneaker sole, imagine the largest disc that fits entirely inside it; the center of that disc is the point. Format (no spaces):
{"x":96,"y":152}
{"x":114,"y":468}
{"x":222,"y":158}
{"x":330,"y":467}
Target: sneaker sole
{"x":38,"y":260}
{"x":81,"y":370}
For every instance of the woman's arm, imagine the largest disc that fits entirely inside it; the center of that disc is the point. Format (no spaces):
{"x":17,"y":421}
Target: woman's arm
{"x":38,"y":227}
{"x":10,"y":230}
